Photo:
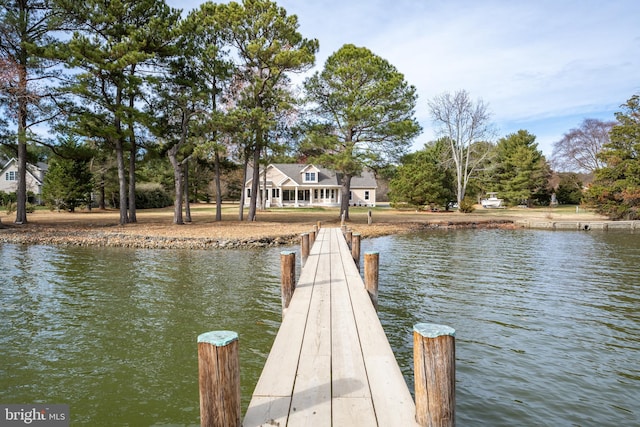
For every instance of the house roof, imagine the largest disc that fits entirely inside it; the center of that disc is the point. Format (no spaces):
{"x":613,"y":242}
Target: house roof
{"x":31,"y":169}
{"x":326,"y":177}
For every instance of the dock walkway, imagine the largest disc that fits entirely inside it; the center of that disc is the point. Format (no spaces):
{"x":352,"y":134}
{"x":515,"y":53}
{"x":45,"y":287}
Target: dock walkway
{"x":331,"y":363}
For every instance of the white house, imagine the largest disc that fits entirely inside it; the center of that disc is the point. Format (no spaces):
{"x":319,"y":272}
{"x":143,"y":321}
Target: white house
{"x":35,"y":177}
{"x":310,"y":185}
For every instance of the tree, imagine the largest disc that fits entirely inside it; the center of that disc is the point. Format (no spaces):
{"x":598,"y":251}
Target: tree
{"x":464,"y":124}
{"x":26,"y":72}
{"x":268,"y":46}
{"x":578,"y":149}
{"x":112,"y":44}
{"x":68,"y":181}
{"x":569,"y":191}
{"x":615,"y":190}
{"x":520,"y":173}
{"x":422,"y":178}
{"x":364,"y":113}
{"x":207,"y":40}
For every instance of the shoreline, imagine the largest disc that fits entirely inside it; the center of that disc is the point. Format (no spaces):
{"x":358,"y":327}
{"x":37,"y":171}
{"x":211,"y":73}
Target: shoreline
{"x":155,"y":229}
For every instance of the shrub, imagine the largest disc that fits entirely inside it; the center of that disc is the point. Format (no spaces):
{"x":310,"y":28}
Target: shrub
{"x":152,"y":195}
{"x":467,"y":205}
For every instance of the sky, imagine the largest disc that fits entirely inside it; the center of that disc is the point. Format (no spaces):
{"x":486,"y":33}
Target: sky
{"x":540,"y":65}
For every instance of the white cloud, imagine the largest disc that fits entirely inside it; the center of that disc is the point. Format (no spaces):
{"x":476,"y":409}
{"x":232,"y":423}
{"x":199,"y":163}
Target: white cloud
{"x":541,"y":65}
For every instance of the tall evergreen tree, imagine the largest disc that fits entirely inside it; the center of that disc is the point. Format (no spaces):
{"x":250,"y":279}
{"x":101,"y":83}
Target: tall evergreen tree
{"x":26,"y":74}
{"x":423,"y":179}
{"x":616,"y":189}
{"x":365,"y":112}
{"x":68,"y":182}
{"x":113,"y":43}
{"x":520,"y":173}
{"x":268,"y":46}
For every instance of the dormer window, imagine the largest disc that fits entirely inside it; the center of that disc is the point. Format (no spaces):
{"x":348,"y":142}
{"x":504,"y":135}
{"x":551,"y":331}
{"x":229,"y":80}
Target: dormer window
{"x":310,"y":177}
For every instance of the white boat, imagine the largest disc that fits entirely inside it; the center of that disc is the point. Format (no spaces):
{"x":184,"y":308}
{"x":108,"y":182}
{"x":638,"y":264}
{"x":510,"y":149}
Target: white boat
{"x":491,"y":201}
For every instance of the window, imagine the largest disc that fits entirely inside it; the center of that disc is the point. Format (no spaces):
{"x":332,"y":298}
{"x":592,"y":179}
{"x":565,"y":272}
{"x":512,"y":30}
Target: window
{"x":309,"y":177}
{"x":248,"y":193}
{"x":366,"y":195}
{"x":11,"y":176}
{"x":275,"y":193}
{"x":350,"y":195}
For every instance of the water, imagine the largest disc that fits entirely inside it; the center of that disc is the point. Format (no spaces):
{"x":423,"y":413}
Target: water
{"x":547,"y":323}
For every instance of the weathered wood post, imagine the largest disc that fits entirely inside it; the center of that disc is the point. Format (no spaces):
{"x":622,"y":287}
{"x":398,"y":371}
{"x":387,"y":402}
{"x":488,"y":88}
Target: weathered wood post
{"x":312,"y":237}
{"x":287,"y":277}
{"x":342,"y":218}
{"x":371,"y":266}
{"x":355,"y":249}
{"x":219,"y":379}
{"x":318,"y":224}
{"x":434,"y":364}
{"x":304,"y":247}
{"x":369,"y":218}
{"x":348,"y":236}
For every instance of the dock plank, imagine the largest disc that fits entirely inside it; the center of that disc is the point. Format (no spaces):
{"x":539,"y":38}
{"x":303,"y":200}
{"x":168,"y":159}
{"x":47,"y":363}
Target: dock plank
{"x":331,"y":363}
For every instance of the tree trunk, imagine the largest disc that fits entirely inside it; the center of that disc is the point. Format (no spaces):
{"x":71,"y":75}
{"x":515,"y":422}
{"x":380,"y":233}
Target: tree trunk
{"x":177,"y":180}
{"x":244,"y":181}
{"x":132,"y":174}
{"x":187,"y":203}
{"x":345,"y":190}
{"x":255,"y":184}
{"x":102,"y":202}
{"x":21,"y":191}
{"x":122,"y":182}
{"x":216,"y":167}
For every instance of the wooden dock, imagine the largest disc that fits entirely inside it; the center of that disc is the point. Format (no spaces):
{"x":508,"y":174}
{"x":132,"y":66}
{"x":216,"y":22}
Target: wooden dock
{"x":331,"y":363}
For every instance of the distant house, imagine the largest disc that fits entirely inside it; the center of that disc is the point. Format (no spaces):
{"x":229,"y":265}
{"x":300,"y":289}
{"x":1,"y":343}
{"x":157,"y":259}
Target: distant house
{"x":310,"y":185}
{"x":35,"y":177}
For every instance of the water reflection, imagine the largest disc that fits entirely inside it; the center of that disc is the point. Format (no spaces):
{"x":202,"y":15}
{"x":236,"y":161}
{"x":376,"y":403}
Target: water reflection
{"x":548,"y":331}
{"x":113,"y":332}
{"x":547,"y":324}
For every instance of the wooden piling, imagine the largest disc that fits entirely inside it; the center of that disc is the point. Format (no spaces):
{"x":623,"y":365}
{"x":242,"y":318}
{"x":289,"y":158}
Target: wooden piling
{"x":434,"y":359}
{"x":312,"y":237}
{"x":355,"y":249}
{"x":371,"y":266}
{"x":319,"y":225}
{"x":369,"y":218}
{"x":219,"y":379}
{"x":348,"y":236}
{"x":304,"y":247}
{"x":287,"y":277}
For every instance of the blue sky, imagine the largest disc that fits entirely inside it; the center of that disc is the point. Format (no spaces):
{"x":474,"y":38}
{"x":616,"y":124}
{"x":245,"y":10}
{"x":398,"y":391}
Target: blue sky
{"x":540,"y":65}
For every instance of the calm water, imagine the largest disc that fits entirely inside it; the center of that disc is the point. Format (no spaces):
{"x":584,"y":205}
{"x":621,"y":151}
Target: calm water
{"x":548,"y":329}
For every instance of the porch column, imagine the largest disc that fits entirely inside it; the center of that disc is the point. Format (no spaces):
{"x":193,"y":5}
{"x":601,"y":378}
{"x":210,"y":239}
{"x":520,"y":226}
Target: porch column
{"x":296,"y":198}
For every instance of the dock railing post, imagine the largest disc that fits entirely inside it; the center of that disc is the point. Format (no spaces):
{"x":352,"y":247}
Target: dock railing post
{"x":348,"y":236}
{"x":304,"y":247}
{"x":434,"y":369}
{"x":287,"y":277}
{"x":355,"y":249}
{"x":219,"y":379}
{"x":319,"y":225}
{"x":369,"y":218}
{"x":371,"y":266}
{"x":312,"y":237}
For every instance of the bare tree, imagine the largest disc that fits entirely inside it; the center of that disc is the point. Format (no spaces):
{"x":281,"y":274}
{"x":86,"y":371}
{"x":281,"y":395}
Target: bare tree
{"x":463,"y":124}
{"x":578,"y":149}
